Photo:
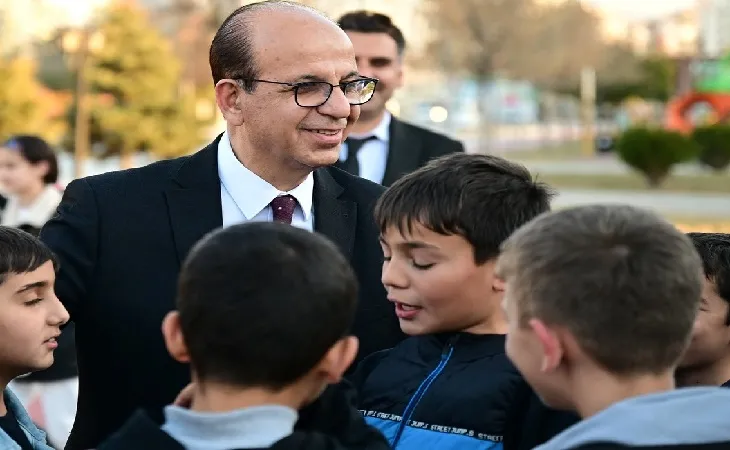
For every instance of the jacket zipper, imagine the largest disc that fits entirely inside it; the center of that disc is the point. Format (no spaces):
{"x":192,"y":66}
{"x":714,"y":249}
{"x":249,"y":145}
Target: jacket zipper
{"x":422,"y":388}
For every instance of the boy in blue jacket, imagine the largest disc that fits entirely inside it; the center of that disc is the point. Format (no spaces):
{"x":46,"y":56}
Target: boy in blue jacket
{"x":450,"y":385}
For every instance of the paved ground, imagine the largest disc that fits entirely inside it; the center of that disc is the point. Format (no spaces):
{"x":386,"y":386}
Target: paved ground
{"x":669,"y":203}
{"x":604,"y":165}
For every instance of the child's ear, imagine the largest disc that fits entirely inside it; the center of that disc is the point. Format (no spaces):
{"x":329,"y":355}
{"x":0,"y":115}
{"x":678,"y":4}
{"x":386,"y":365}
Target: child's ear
{"x":498,"y":284}
{"x":338,"y":359}
{"x":552,"y":348}
{"x":174,"y":340}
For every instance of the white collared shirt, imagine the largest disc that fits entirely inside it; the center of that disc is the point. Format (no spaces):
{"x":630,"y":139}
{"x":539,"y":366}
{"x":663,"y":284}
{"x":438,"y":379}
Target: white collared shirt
{"x":373,"y":156}
{"x":246,"y":196}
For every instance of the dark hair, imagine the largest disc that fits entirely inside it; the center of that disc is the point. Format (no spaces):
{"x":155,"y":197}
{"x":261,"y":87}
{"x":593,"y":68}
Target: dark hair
{"x":261,"y":303}
{"x":35,"y":150}
{"x":482,"y":198}
{"x":624,"y":281}
{"x":714,"y":250}
{"x":231,"y":53}
{"x":372,"y":22}
{"x":21,"y":252}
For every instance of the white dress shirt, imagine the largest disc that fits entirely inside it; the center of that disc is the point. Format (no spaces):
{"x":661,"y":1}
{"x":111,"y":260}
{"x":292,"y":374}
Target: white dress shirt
{"x":246,"y":196}
{"x":373,"y":156}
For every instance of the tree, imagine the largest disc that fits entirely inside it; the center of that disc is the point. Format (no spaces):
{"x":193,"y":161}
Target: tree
{"x":560,"y":40}
{"x":138,"y":70}
{"x":478,"y":39}
{"x":25,"y":106}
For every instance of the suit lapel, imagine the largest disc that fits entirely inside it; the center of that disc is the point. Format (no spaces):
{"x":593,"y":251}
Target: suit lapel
{"x":334,"y":216}
{"x":403,"y":152}
{"x":194,"y":199}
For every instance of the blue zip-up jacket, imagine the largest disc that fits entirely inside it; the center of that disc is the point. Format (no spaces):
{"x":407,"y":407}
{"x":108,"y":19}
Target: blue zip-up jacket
{"x":36,"y":436}
{"x":453,"y":391}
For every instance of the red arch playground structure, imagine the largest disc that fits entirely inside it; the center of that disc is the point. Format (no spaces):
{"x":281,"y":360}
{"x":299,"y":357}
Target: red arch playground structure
{"x":711,"y":86}
{"x":677,"y":117}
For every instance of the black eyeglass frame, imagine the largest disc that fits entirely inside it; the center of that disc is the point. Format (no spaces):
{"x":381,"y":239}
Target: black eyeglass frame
{"x":296,"y":86}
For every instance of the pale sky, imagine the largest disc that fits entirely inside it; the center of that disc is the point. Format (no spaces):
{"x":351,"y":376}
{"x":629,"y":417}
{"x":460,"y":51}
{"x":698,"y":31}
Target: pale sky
{"x":642,"y":9}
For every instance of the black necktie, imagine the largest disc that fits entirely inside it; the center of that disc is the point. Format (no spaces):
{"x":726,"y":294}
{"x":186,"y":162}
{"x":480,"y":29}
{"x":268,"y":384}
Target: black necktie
{"x":353,"y":146}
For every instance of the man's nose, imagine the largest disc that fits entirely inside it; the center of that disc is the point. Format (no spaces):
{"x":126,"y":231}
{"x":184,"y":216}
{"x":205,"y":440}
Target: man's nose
{"x":337,"y":106}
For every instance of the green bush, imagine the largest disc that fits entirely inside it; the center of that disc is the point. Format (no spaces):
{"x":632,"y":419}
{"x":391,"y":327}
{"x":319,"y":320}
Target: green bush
{"x":653,"y":152}
{"x":714,"y":143}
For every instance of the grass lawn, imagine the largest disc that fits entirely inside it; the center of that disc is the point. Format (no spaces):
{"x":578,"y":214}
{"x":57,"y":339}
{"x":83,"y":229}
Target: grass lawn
{"x":709,"y":183}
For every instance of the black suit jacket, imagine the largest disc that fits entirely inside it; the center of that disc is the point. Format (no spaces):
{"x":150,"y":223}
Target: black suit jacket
{"x":121,"y":238}
{"x":411,"y":147}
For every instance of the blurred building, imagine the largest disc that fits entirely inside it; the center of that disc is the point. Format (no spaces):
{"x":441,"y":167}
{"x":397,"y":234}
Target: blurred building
{"x":24,"y":22}
{"x":714,"y":27}
{"x":676,"y":34}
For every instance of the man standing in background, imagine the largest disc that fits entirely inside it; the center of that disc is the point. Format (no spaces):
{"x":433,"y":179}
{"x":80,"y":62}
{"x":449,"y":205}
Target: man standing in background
{"x":380,"y":147}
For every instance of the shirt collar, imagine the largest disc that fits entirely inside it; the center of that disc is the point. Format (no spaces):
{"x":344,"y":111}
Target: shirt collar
{"x":254,"y":427}
{"x":250,"y":192}
{"x":381,"y":132}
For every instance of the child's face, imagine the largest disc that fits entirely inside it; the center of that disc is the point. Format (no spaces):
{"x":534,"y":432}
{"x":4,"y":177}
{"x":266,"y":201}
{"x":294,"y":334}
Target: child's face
{"x":711,"y":333}
{"x":16,"y":173}
{"x":435,"y":284}
{"x":30,"y":317}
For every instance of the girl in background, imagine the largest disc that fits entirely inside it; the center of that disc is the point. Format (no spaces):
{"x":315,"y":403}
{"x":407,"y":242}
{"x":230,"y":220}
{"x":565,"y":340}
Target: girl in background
{"x":28,"y":175}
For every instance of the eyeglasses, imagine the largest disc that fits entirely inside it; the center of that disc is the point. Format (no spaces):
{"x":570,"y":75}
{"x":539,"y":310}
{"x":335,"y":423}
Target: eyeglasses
{"x":311,"y":94}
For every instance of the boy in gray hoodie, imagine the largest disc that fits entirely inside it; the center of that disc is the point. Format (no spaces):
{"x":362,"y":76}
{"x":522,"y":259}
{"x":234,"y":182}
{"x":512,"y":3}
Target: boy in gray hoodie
{"x":601,"y":302}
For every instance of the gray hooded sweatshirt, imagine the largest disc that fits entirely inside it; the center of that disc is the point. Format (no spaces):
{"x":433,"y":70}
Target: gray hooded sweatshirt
{"x":695,"y":417}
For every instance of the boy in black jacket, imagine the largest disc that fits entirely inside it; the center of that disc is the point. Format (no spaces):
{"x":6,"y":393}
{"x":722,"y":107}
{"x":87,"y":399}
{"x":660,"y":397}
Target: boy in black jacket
{"x":601,"y":302}
{"x":450,"y":385}
{"x":707,"y":361}
{"x":263,"y":316}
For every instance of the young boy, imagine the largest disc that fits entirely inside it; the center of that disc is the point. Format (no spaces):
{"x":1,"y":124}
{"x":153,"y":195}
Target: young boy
{"x":31,"y":317}
{"x":450,"y":385}
{"x":707,"y":361}
{"x":600,"y":302}
{"x":263,"y":313}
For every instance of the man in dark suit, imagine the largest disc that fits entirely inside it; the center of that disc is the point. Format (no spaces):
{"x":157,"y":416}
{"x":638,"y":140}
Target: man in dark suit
{"x":381,"y":147}
{"x":286,"y":82}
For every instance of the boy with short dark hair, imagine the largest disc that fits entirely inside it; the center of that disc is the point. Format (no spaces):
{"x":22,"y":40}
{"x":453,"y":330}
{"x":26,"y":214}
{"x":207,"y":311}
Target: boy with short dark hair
{"x":31,"y":317}
{"x":601,"y":302}
{"x":263,"y":313}
{"x":450,"y":385}
{"x":707,"y":361}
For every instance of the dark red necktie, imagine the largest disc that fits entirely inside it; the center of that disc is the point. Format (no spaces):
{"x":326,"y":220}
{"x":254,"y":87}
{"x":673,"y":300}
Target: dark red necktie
{"x":283,"y":208}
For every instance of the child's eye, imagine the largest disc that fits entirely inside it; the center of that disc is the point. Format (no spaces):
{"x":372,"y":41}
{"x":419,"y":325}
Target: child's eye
{"x":386,"y":258}
{"x":421,"y":266}
{"x":33,"y":302}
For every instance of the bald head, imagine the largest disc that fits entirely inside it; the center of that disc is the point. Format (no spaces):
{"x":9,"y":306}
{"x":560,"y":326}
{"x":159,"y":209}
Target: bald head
{"x":264,"y":27}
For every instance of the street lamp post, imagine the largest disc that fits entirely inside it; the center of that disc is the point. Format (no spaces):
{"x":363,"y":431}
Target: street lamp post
{"x":81,"y":43}
{"x":588,"y":108}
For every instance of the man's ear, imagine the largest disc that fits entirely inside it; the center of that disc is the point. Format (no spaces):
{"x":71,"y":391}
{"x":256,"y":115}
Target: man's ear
{"x":228,"y":97}
{"x":174,"y":339}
